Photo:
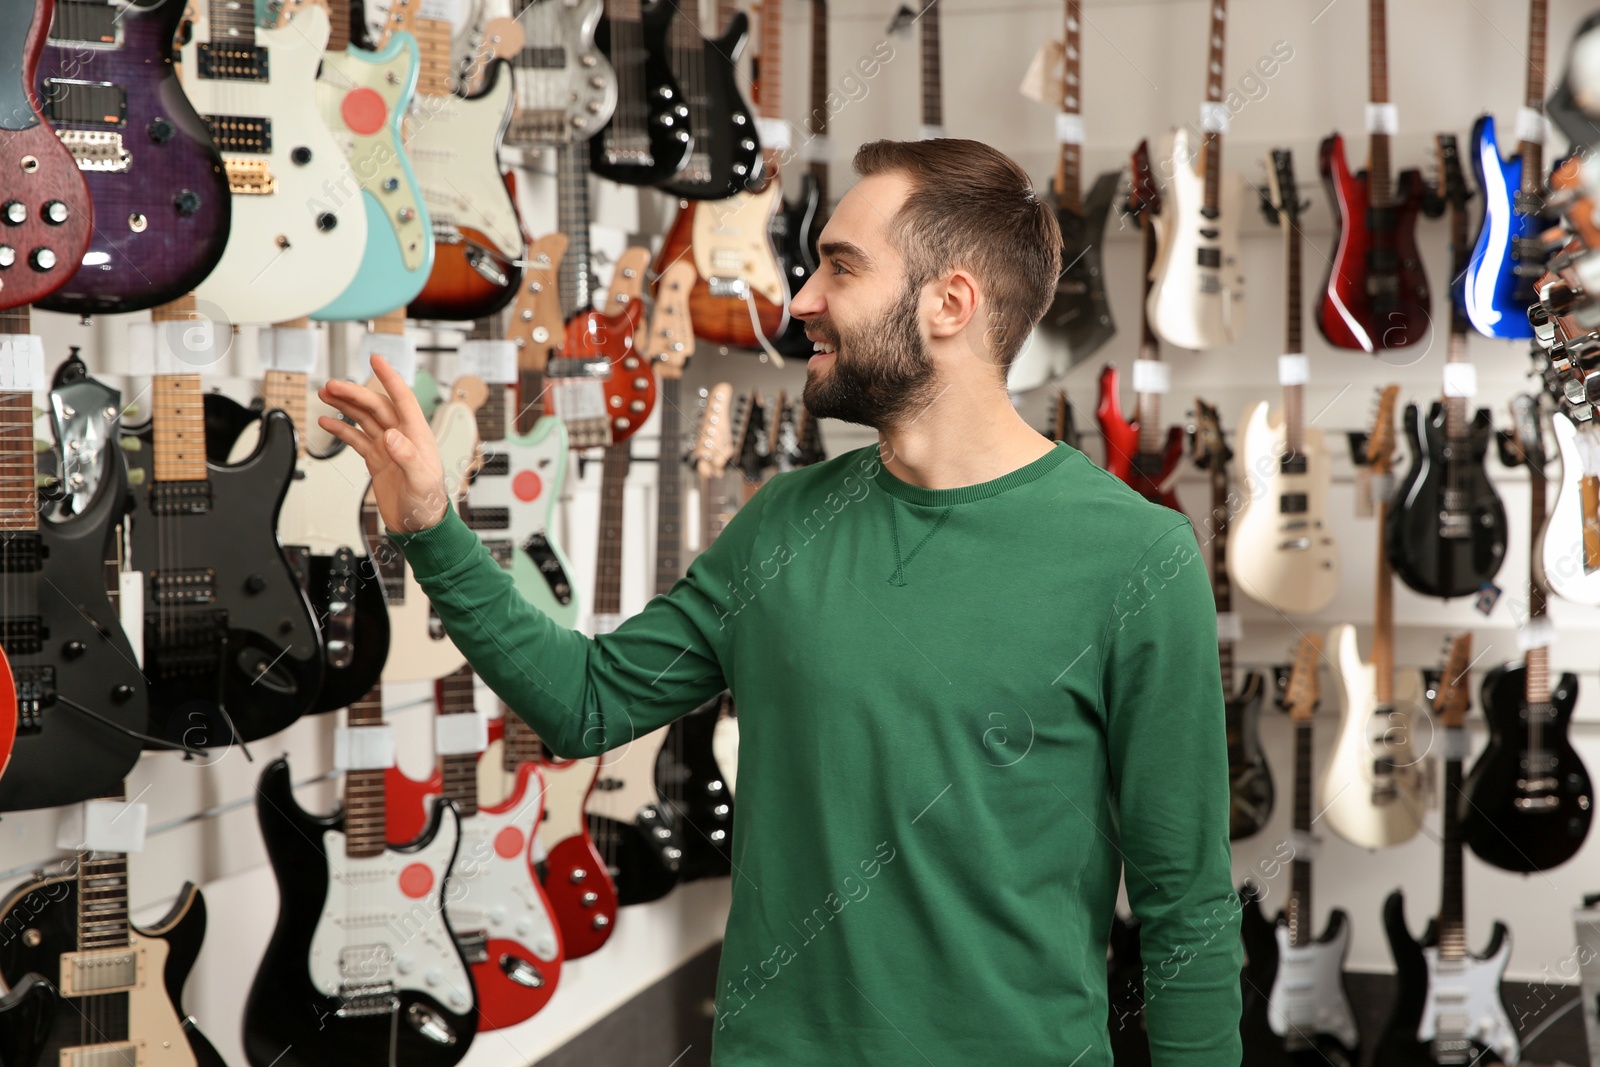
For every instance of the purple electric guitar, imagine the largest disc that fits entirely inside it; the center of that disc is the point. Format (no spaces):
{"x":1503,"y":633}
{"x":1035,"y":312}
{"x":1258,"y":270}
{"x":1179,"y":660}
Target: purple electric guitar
{"x":161,"y":203}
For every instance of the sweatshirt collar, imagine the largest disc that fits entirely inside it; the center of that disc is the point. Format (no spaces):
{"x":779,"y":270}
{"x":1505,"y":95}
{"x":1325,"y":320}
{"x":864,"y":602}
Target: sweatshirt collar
{"x":967,"y":494}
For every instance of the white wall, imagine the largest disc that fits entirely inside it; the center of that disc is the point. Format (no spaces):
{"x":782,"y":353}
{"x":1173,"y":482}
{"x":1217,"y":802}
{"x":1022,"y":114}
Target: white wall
{"x":1143,"y":72}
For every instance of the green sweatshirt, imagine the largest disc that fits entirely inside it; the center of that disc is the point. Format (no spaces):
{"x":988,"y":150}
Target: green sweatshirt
{"x":964,"y":714}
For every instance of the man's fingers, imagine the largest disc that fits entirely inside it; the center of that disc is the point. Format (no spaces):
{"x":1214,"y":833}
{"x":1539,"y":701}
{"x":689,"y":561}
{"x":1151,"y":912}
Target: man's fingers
{"x":365,"y":446}
{"x":359,"y":404}
{"x":408,"y":413}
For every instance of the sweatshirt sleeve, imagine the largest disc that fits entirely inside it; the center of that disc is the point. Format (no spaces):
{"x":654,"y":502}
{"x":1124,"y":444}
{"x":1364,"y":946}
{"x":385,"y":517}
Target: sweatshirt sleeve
{"x":586,"y":695}
{"x":1162,"y":689}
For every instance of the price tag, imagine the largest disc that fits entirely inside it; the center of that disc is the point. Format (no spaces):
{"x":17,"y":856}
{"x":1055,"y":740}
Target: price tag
{"x":1460,"y":379}
{"x":398,"y":348}
{"x":455,"y":735}
{"x":363,"y":748}
{"x":1530,"y":125}
{"x":1304,"y":845}
{"x":1383,"y":118}
{"x":1457,"y":745}
{"x":774,"y":133}
{"x":1214,"y":116}
{"x":930,"y":133}
{"x":288,"y":348}
{"x":1229,"y":626}
{"x":493,"y":361}
{"x":130,"y":610}
{"x":178,"y":347}
{"x":21,"y":363}
{"x":1383,"y":486}
{"x":1069,"y":128}
{"x":819,"y":149}
{"x":103,"y":826}
{"x":1294,"y":369}
{"x":1537,"y":632}
{"x":442,"y":10}
{"x":1151,"y":376}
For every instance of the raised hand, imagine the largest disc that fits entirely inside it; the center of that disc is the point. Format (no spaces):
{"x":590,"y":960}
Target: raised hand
{"x":391,"y":434}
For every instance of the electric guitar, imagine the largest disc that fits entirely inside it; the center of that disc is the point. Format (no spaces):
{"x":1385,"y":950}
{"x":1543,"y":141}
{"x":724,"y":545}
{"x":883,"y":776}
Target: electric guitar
{"x":231,"y":649}
{"x":290,"y":243}
{"x":1498,"y":286}
{"x":497,"y":910}
{"x":320,"y":527}
{"x":1196,"y":300}
{"x":1295,"y":1001}
{"x":1281,"y":548}
{"x":1446,"y":534}
{"x":649,"y":135}
{"x":364,"y":97}
{"x":1530,"y":801}
{"x":1372,"y":791}
{"x":598,"y":385}
{"x":109,"y":89}
{"x":1569,"y":553}
{"x":1135,"y":452}
{"x":564,"y":87}
{"x":27,"y":1015}
{"x":454,"y":143}
{"x":121,"y":986}
{"x":512,"y":497}
{"x":1080,"y":313}
{"x":1376,"y":294}
{"x":362,"y":967}
{"x":72,"y":700}
{"x":741,"y":297}
{"x":47,"y":215}
{"x":726,"y":151}
{"x":1249,"y":778}
{"x":1448,"y":1009}
{"x":799,"y":221}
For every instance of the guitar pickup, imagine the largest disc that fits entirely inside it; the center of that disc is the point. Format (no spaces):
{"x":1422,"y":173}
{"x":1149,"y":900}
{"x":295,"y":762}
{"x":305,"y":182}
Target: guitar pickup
{"x":181,"y":498}
{"x":191,"y":585}
{"x":489,"y":518}
{"x":87,"y":973}
{"x":1293,"y":503}
{"x":23,"y":635}
{"x":1295,"y":544}
{"x":97,"y":151}
{"x":1292,"y":463}
{"x":21,"y":553}
{"x":232,"y":62}
{"x":79,"y":103}
{"x":495,"y":465}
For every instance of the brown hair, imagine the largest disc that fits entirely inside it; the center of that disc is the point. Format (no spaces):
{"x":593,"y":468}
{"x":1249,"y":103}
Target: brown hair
{"x":972,"y":207}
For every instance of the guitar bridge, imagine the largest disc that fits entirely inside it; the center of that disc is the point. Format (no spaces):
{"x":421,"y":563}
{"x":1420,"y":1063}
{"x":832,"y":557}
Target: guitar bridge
{"x":250,"y":177}
{"x":36,"y":690}
{"x":185,"y":644}
{"x":737,"y":288}
{"x":629,"y":150}
{"x":366,"y":999}
{"x":115,"y":1054}
{"x":97,"y":151}
{"x":538,"y":126}
{"x":474,"y":945}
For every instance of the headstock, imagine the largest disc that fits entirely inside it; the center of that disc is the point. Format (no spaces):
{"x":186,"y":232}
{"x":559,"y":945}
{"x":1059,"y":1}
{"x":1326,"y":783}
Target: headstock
{"x":1527,"y":431}
{"x":713,"y":441}
{"x":1381,"y":438}
{"x":1208,"y":446}
{"x":808,"y":447}
{"x":1452,"y":188}
{"x":627,"y":280}
{"x":1454,"y":695}
{"x":536,"y":323}
{"x":1300,"y":696}
{"x":1283,"y":204}
{"x":777,"y":422}
{"x":750,"y":438}
{"x":671,"y":339}
{"x":1144,"y":195}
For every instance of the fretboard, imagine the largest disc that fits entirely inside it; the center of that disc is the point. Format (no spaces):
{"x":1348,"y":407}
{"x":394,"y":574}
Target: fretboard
{"x":1532,"y":152}
{"x":460,"y":770}
{"x":285,"y":391}
{"x":572,"y":215}
{"x":1452,"y":891}
{"x":769,"y":64}
{"x":433,"y":42}
{"x":520,"y":744}
{"x":1147,"y":406}
{"x":1378,"y":86}
{"x":1299,"y":907}
{"x":232,"y":20}
{"x":178,"y":420}
{"x":19,"y":505}
{"x":1383,"y":617}
{"x":1293,"y":340}
{"x":491,"y":415}
{"x":1536,"y":661}
{"x":608,"y":556}
{"x":103,"y":893}
{"x":1212,"y":146}
{"x":932,"y":78}
{"x":817,"y":119}
{"x":1069,"y":164}
{"x":669,"y":489}
{"x":338,"y":25}
{"x":363,"y":790}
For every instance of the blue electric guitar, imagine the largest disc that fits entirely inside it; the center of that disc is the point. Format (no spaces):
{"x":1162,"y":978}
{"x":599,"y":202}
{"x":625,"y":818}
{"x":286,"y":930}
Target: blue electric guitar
{"x":1508,"y":258}
{"x":364,"y":95}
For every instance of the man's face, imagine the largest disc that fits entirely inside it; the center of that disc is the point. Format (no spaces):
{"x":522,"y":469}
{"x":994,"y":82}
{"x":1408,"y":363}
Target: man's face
{"x":873,"y":367}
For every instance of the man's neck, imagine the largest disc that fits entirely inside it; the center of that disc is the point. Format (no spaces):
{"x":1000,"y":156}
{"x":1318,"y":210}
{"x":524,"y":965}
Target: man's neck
{"x":955,"y":442}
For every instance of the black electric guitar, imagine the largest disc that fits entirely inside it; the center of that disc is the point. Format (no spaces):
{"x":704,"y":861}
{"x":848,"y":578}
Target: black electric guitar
{"x":799,"y":221}
{"x":727,"y":152}
{"x":1080,"y":313}
{"x":1531,"y":801}
{"x":79,"y":694}
{"x":1449,"y":1008}
{"x":1446,"y":531}
{"x":232,"y":651}
{"x":121,"y":986}
{"x":1249,"y":778}
{"x":1296,"y":1008}
{"x":27,"y":1014}
{"x":363,"y":968}
{"x":649,"y":138}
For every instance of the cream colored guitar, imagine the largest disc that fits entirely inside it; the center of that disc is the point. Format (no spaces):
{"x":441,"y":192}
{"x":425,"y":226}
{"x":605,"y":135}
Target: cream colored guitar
{"x":1372,"y":792}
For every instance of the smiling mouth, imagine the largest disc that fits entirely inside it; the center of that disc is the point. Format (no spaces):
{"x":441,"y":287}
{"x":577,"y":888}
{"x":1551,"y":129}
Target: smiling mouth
{"x":822,"y":348}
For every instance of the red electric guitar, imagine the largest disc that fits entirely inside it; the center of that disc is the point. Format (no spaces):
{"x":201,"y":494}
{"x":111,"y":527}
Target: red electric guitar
{"x":1135,"y":451}
{"x":1376,"y":294}
{"x":497,"y":909}
{"x":45,"y":221}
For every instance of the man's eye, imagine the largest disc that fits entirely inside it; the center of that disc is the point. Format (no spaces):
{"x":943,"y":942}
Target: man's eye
{"x":840,"y":268}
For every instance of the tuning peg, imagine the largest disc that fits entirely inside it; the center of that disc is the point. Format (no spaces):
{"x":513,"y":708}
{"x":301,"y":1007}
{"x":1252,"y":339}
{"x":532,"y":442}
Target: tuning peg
{"x":136,"y":476}
{"x":130,"y":444}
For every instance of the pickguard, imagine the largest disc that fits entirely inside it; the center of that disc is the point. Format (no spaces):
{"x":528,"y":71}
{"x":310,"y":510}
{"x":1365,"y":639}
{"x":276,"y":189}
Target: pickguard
{"x":1308,"y":994}
{"x":1464,"y":1002}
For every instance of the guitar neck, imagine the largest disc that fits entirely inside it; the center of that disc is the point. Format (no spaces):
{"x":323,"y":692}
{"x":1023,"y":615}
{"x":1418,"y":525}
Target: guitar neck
{"x":669,"y":490}
{"x":433,"y":45}
{"x":460,"y":770}
{"x":573,"y":214}
{"x":178,"y":419}
{"x":1221,"y":589}
{"x":339,"y":25}
{"x":818,"y":118}
{"x":1452,"y":892}
{"x":363,"y":790}
{"x":1383,"y":618}
{"x":1455,"y":407}
{"x":18,"y":491}
{"x":932,"y":77}
{"x":1212,"y":146}
{"x":1378,"y":84}
{"x":520,"y":743}
{"x":769,"y":71}
{"x":1299,"y":909}
{"x":1293,"y":341}
{"x":103,"y":893}
{"x":1147,"y":410}
{"x":491,"y":415}
{"x":285,"y":391}
{"x":1069,"y":164}
{"x":1532,"y":152}
{"x":232,"y":21}
{"x":608,"y":557}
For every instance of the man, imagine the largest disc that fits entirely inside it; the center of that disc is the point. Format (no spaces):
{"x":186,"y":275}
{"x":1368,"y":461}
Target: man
{"x":977,"y":676}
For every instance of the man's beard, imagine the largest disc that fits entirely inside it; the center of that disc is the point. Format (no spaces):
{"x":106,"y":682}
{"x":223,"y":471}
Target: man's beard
{"x":881,"y":372}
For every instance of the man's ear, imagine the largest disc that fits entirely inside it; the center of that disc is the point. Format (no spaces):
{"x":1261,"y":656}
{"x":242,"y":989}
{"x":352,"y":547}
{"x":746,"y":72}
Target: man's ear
{"x":958,"y":302}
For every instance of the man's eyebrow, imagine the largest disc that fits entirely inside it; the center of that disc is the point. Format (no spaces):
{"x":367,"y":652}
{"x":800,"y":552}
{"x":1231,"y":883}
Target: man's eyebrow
{"x":844,"y":250}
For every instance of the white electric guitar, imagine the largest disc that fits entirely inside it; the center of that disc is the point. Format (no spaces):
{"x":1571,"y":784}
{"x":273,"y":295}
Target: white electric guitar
{"x":1372,"y":792}
{"x":1569,"y":550}
{"x":1307,"y":1005}
{"x":290,"y":244}
{"x":1281,"y":550}
{"x":1196,"y":301}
